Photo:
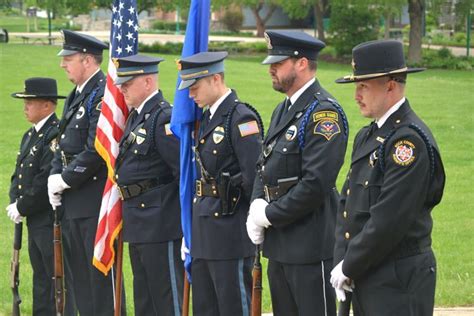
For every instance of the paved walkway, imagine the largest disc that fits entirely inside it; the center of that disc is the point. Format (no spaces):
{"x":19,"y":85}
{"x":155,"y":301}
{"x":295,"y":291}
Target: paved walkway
{"x":452,"y":311}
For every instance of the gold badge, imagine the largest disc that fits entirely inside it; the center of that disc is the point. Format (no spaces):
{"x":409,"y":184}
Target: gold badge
{"x":218,"y":134}
{"x":291,"y":133}
{"x":178,"y":64}
{"x":53,"y":145}
{"x":80,"y":112}
{"x":353,"y":65}
{"x":116,"y":63}
{"x":268,"y":40}
{"x":141,"y":135}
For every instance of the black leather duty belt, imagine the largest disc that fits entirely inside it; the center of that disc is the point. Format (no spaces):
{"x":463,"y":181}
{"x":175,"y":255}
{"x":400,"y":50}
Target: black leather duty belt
{"x":273,"y":193}
{"x":208,"y":188}
{"x":132,"y":190}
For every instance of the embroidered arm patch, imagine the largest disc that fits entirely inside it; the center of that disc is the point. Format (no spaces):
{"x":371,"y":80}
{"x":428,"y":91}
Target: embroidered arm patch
{"x":248,"y":128}
{"x":326,"y":124}
{"x":404,"y":153}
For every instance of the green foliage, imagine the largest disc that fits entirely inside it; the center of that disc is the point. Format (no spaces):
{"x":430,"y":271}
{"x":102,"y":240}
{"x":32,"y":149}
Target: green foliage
{"x":351,"y":25}
{"x":231,"y":47}
{"x":233,"y":19}
{"x":444,"y":59}
{"x":164,"y":26}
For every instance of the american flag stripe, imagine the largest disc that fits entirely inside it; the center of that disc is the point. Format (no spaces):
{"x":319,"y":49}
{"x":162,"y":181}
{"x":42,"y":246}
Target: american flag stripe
{"x":110,"y":127}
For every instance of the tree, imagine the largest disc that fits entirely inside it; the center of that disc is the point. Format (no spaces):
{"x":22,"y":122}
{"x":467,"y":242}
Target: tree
{"x":256,"y":6}
{"x":416,"y":10}
{"x":301,"y":8}
{"x":388,"y":9}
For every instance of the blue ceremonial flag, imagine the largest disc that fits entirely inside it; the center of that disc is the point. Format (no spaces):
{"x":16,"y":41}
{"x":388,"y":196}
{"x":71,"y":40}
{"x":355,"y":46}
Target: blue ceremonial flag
{"x":186,"y":114}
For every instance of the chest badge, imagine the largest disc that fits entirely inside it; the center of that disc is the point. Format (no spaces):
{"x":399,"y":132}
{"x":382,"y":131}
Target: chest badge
{"x":80,"y":113}
{"x":53,"y":145}
{"x":373,"y":158}
{"x":33,"y":150}
{"x":218,"y":134}
{"x":291,"y":133}
{"x":141,"y":135}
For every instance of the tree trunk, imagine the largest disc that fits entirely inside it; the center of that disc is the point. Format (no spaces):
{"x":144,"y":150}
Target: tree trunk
{"x":318,"y":15}
{"x":259,"y":21}
{"x":415,"y":9}
{"x":387,"y":17}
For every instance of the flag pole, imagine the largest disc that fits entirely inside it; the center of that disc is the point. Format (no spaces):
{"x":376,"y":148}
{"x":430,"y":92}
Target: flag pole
{"x":118,"y":277}
{"x":186,"y":290}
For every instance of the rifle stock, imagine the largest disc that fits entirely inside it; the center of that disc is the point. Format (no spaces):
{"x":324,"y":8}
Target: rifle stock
{"x":186,"y":290}
{"x":257,"y":284}
{"x":345,"y":307}
{"x":15,"y":269}
{"x":58,"y":266}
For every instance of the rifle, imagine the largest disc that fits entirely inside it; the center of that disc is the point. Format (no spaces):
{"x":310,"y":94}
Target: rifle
{"x":186,"y":290}
{"x":257,"y":284}
{"x":15,"y":269}
{"x":58,"y":266}
{"x":345,"y":307}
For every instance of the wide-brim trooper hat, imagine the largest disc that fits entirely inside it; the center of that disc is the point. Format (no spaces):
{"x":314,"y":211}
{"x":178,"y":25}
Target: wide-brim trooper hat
{"x":376,"y":59}
{"x":136,"y":65}
{"x":285,"y":44}
{"x":39,"y":88}
{"x":75,"y":42}
{"x":198,"y":66}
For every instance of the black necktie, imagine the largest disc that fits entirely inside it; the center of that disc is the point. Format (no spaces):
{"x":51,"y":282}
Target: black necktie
{"x":286,"y":107}
{"x":371,"y":130}
{"x":132,"y":116}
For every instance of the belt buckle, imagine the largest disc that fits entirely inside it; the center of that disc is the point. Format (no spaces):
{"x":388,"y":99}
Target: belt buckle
{"x":198,"y":188}
{"x":120,"y":192}
{"x":267,"y":193}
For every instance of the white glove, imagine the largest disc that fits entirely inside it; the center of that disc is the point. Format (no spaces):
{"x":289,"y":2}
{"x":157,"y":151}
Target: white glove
{"x":56,"y":184}
{"x":13,"y":213}
{"x":256,"y":233}
{"x":338,"y":279}
{"x":257,"y":213}
{"x":184,"y":250}
{"x":340,"y":295}
{"x":54,"y":199}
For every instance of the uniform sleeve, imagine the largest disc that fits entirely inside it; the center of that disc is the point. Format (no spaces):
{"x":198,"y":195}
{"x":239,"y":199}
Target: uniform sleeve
{"x":165,"y":139}
{"x":38,"y":191}
{"x":321,"y":160}
{"x":13,"y":192}
{"x":88,"y":162}
{"x":402,"y":194}
{"x":247,"y":144}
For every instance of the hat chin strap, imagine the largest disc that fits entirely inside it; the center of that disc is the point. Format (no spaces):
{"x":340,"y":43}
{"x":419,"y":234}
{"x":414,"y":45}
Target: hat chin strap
{"x":379,"y":74}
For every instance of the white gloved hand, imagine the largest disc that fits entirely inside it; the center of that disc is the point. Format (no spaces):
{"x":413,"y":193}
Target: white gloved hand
{"x":13,"y":213}
{"x":338,"y":279}
{"x":256,"y":233}
{"x":56,"y":184}
{"x":257,"y":213}
{"x":184,"y":250}
{"x":340,"y":295}
{"x":54,"y":199}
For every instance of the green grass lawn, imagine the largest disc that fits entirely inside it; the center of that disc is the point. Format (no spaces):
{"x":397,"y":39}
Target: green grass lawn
{"x":444,"y":99}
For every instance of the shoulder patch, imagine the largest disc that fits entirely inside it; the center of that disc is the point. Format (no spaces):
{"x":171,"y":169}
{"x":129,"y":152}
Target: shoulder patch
{"x":404,"y":153}
{"x":249,"y":128}
{"x":326,"y":124}
{"x":168,"y":129}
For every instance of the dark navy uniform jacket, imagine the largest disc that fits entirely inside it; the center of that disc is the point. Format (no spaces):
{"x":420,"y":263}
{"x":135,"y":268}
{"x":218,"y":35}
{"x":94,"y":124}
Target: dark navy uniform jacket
{"x":86,"y":172}
{"x":303,"y":219}
{"x":153,"y":216}
{"x":29,"y":182}
{"x":218,"y":237}
{"x":386,"y":214}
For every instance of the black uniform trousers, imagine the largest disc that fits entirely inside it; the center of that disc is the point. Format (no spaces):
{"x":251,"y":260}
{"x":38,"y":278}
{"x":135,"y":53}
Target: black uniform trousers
{"x":41,"y":252}
{"x":158,"y":276}
{"x":301,"y":289}
{"x":216,"y":284}
{"x":93,"y":290}
{"x":403,"y":286}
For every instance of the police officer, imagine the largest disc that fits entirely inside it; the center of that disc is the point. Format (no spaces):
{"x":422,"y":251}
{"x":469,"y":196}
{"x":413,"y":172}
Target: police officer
{"x":28,"y":189}
{"x":294,"y":197}
{"x":227,"y":150}
{"x":78,"y":173}
{"x":383,"y":236}
{"x":147,"y":174}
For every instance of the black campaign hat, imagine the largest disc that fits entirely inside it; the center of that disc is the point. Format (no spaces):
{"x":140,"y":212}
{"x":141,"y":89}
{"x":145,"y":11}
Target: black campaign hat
{"x":198,"y":66}
{"x":135,"y":65}
{"x":285,"y":44}
{"x":376,"y":59}
{"x":39,"y":88}
{"x":75,"y":42}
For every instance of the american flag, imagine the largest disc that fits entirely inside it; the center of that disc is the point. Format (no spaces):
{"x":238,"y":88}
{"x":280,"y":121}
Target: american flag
{"x":110,"y":127}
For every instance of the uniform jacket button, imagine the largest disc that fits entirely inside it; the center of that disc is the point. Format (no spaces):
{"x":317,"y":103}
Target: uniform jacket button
{"x":344,"y":214}
{"x":347,"y":235}
{"x":216,"y":214}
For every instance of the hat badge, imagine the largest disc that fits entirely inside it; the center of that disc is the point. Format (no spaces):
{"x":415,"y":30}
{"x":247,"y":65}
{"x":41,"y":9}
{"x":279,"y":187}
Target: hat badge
{"x":268,"y":40}
{"x":353,"y":65}
{"x":116,"y":63}
{"x":178,"y":64}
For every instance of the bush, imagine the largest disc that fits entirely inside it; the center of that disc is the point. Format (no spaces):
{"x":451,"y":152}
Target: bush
{"x":351,"y":25}
{"x":233,"y":20}
{"x":444,"y":59}
{"x":167,"y":26}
